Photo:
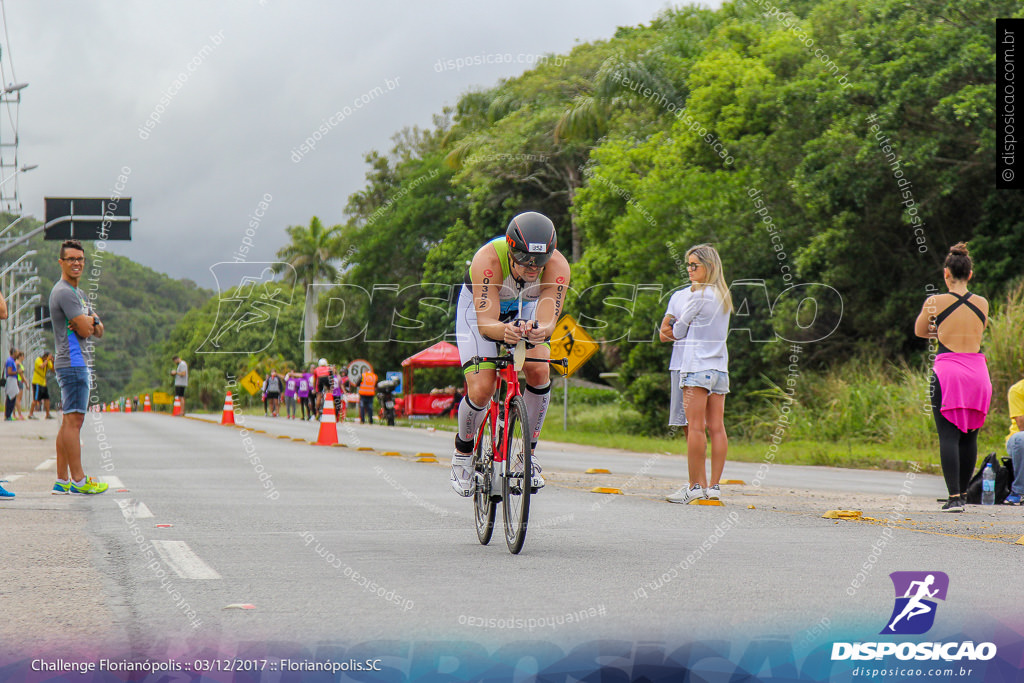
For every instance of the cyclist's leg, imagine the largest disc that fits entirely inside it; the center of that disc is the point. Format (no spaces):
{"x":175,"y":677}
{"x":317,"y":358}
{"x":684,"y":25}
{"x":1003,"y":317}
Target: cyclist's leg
{"x":479,"y":387}
{"x":536,"y":396}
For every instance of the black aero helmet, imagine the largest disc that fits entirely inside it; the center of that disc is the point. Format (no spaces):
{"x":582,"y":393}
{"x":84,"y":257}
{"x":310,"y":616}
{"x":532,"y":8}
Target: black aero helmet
{"x":531,"y":239}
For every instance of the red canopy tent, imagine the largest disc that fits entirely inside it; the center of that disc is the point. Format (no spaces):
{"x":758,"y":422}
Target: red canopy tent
{"x":440,"y":355}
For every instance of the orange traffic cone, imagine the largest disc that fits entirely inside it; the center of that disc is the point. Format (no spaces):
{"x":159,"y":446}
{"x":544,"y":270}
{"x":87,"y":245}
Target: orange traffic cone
{"x":128,"y":405}
{"x":328,"y":426}
{"x":177,"y":407}
{"x":228,"y":418}
{"x":146,"y":406}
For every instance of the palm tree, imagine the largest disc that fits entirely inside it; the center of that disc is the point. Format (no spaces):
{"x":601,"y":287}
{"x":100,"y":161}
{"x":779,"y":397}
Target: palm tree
{"x":310,"y":253}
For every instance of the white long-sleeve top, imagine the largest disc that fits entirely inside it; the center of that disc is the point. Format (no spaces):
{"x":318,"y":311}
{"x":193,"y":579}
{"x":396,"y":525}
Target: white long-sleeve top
{"x":704,"y":325}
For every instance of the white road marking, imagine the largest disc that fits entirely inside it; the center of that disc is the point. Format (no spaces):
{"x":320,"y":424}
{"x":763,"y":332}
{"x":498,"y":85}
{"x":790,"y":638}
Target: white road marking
{"x":185,"y":563}
{"x":48,"y":464}
{"x":112,"y":482}
{"x":14,"y":477}
{"x":135,"y":508}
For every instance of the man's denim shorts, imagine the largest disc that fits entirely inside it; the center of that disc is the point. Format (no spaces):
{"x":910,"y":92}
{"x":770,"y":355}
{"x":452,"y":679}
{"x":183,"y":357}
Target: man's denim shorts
{"x":74,"y":389}
{"x":715,"y":381}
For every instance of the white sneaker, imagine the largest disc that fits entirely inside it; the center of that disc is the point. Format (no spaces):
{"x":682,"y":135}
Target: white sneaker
{"x":462,"y":474}
{"x":713,"y":492}
{"x":686,"y":494}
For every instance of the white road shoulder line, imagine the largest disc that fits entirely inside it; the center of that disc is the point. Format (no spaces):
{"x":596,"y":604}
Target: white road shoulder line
{"x":134,"y":508}
{"x":185,"y":563}
{"x":48,"y":464}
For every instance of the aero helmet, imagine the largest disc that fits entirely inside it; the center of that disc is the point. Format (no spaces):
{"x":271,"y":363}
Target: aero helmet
{"x":531,"y":239}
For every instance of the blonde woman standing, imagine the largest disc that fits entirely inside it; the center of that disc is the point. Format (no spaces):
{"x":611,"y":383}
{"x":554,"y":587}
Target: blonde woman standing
{"x":704,"y":324}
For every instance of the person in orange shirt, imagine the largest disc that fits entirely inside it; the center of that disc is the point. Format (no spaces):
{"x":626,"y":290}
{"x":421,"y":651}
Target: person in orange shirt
{"x":367,"y":390}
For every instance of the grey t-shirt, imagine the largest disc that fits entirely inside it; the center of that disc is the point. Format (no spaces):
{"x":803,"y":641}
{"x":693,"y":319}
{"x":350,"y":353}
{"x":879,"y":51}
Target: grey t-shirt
{"x":181,"y":380}
{"x":67,"y":303}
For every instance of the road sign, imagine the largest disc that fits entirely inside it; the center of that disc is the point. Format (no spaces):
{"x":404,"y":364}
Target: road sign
{"x":356,"y":369}
{"x":252,"y":382}
{"x":88,"y":218}
{"x":571,"y":341}
{"x":162,"y":398}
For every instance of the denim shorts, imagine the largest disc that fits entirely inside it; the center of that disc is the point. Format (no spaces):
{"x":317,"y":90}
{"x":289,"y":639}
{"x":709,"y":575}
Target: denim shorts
{"x":715,"y":381}
{"x":74,"y":389}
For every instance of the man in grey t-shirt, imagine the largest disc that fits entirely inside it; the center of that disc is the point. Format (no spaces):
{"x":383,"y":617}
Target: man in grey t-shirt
{"x":180,"y":373}
{"x":74,"y":322}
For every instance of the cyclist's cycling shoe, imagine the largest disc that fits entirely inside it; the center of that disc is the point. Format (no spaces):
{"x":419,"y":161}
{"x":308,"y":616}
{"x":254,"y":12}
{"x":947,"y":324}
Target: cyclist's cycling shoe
{"x":536,"y":480}
{"x":462,"y":474}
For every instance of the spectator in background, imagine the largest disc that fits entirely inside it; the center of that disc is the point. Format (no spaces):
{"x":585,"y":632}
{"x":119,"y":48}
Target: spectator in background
{"x":4,"y":493}
{"x":676,"y":304}
{"x":302,"y":393}
{"x":10,"y":384}
{"x":1015,"y":443}
{"x":40,"y":394}
{"x":180,"y":373}
{"x":311,"y":396}
{"x":367,"y":390}
{"x":20,"y":358}
{"x":339,"y":388}
{"x":274,"y":388}
{"x":960,"y":388}
{"x":291,"y":385}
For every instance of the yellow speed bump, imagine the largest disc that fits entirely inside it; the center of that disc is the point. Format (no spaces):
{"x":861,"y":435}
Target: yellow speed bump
{"x":425,"y":455}
{"x":296,"y":438}
{"x":598,"y":470}
{"x":1019,"y":541}
{"x":426,"y":458}
{"x":733,"y":482}
{"x":284,"y":436}
{"x":706,"y":501}
{"x":606,"y":489}
{"x":391,"y":453}
{"x":842,"y":514}
{"x":364,"y":448}
{"x":335,"y":445}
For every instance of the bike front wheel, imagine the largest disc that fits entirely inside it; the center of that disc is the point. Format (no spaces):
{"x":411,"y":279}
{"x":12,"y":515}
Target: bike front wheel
{"x":483,"y":504}
{"x":515,"y":485}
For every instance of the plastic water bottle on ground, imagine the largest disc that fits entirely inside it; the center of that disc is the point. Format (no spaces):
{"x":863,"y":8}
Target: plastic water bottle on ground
{"x":988,"y":486}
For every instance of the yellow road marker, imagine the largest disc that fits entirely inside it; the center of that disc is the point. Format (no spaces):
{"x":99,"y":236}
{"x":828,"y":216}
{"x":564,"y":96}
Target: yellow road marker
{"x":606,"y":489}
{"x":733,"y":482}
{"x":842,"y":514}
{"x":391,"y":453}
{"x":598,"y":470}
{"x":427,"y":458}
{"x":706,"y":501}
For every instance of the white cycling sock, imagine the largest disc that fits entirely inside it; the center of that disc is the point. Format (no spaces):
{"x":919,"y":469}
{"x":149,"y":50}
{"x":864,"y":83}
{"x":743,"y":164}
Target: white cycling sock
{"x":470,"y":416}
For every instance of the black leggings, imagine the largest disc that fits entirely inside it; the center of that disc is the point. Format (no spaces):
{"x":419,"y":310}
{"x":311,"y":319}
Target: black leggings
{"x":958,"y":451}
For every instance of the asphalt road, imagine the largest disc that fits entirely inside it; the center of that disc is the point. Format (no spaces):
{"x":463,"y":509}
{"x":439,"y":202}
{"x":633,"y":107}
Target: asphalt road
{"x":337,"y":545}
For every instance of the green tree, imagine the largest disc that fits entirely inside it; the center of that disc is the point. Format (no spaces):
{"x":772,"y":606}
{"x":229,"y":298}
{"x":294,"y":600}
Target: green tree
{"x":312,"y":252}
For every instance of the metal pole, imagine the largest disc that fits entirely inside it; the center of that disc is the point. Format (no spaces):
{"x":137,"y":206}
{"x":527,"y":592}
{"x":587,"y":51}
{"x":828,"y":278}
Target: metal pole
{"x":565,"y":402}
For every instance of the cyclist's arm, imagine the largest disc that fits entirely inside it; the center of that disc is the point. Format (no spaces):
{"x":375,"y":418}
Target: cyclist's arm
{"x":553,"y":288}
{"x":486,"y":270}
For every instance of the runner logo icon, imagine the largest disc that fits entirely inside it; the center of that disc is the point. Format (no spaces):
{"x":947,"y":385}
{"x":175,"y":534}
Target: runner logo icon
{"x":916,"y":592}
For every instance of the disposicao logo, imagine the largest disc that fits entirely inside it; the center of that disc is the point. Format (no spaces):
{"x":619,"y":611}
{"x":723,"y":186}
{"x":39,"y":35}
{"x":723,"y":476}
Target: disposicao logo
{"x":914,"y":614}
{"x":916,"y":592}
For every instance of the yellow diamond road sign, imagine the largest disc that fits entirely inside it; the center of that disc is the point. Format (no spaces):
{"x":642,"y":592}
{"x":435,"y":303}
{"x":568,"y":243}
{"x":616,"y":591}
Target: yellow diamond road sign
{"x":252,"y":382}
{"x":571,"y":341}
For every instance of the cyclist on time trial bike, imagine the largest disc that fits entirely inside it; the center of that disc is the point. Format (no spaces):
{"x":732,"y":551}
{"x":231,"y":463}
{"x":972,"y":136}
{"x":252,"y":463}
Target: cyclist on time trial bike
{"x":323,"y":376}
{"x":525,"y":269}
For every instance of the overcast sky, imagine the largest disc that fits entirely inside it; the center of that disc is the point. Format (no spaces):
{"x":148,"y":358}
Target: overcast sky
{"x":261,"y":77}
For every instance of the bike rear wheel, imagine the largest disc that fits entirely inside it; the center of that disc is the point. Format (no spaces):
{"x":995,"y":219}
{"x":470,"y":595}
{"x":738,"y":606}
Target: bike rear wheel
{"x":483,"y":505}
{"x":515,"y":485}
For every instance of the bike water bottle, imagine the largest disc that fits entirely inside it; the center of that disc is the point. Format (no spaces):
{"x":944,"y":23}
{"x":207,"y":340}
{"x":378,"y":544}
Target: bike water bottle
{"x":988,"y":486}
